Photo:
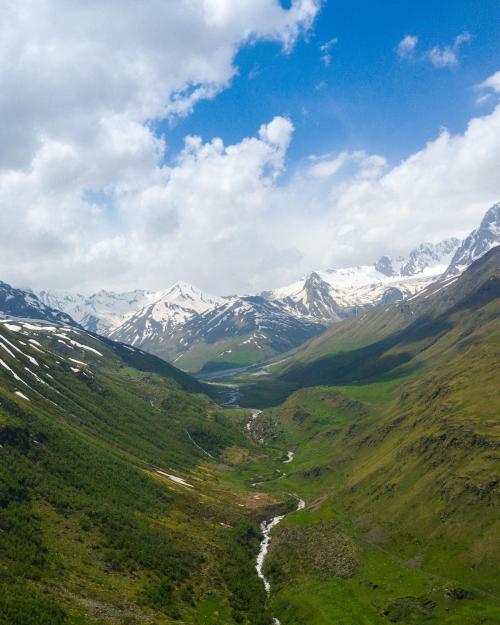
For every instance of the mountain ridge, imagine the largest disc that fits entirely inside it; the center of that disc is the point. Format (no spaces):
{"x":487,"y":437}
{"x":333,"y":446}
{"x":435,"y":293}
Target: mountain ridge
{"x":177,"y":323}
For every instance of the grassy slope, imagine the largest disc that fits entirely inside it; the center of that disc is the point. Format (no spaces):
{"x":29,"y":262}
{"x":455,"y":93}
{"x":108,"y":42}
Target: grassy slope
{"x":90,"y":532}
{"x":222,"y":354}
{"x":398,"y":461}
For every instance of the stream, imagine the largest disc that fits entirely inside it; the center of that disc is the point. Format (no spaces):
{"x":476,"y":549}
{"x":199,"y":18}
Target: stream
{"x":267,"y":527}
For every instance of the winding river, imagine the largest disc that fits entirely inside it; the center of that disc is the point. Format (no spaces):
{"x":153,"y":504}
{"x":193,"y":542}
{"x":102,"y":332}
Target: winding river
{"x":270,"y":524}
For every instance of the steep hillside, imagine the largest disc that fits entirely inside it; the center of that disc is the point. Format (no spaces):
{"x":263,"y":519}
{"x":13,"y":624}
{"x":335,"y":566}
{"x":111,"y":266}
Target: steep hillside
{"x":243,"y":331}
{"x":384,"y":340}
{"x":397,"y":455}
{"x":119,"y":501}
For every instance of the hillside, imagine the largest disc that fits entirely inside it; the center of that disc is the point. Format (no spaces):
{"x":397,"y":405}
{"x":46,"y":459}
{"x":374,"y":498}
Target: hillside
{"x":119,"y":501}
{"x":385,"y":341}
{"x":397,"y":453}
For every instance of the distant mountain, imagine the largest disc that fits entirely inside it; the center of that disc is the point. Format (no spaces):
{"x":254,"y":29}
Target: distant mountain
{"x":241,"y":331}
{"x":155,"y":323}
{"x":195,"y":329}
{"x":385,"y":339}
{"x":100,"y":312}
{"x":19,"y":303}
{"x":331,"y":295}
{"x":477,"y":243}
{"x":426,"y":256}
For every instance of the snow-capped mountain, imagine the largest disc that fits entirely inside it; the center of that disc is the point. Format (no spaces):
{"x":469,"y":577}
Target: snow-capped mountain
{"x":155,"y":322}
{"x":477,"y":243}
{"x":331,"y":295}
{"x":100,"y":312}
{"x":262,"y":324}
{"x":238,"y":331}
{"x":185,"y":325}
{"x":425,"y":256}
{"x":19,"y":303}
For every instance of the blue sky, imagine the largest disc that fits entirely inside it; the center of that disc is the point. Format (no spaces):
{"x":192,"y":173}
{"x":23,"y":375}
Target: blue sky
{"x":368,"y":98}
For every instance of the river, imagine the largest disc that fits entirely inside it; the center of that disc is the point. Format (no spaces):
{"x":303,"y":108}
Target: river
{"x":267,"y":527}
{"x":270,"y":524}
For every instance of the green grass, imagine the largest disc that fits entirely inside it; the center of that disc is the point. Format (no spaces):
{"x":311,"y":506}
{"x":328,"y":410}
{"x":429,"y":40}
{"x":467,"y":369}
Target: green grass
{"x":401,"y":454}
{"x":90,"y":532}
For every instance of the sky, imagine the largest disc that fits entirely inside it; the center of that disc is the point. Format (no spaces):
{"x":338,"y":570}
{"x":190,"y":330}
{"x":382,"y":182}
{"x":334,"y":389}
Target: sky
{"x":237,"y":145}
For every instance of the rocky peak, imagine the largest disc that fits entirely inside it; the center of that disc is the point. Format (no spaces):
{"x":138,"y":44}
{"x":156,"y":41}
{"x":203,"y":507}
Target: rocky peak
{"x":384,"y":265}
{"x":478,"y":242}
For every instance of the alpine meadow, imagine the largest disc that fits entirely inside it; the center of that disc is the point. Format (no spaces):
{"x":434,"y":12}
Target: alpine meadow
{"x":249,"y":312}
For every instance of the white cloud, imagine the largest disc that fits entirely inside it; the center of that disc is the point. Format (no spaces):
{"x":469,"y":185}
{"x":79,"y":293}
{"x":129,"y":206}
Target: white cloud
{"x":366,"y":166}
{"x":441,"y":190}
{"x":447,"y":56}
{"x":487,"y":88}
{"x":68,"y":67}
{"x":439,"y":56}
{"x":406,"y":47}
{"x":492,"y":82}
{"x":221,"y":218}
{"x":325,"y":49}
{"x":86,"y":202}
{"x":80,"y":87}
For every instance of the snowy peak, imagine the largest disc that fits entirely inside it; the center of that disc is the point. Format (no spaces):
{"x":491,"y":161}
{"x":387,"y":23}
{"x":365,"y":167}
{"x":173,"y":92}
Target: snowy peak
{"x":478,"y":242}
{"x":19,"y":303}
{"x":99,"y":312}
{"x":328,"y":296}
{"x":426,"y":257}
{"x":105,"y":311}
{"x":266,"y":323}
{"x":311,"y":299}
{"x":158,"y":319}
{"x":189,"y":297}
{"x":429,"y":255}
{"x":384,"y":266}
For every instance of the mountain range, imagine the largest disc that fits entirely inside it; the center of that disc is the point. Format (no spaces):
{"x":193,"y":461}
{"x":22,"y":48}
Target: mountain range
{"x":127,"y":495}
{"x":199,"y":331}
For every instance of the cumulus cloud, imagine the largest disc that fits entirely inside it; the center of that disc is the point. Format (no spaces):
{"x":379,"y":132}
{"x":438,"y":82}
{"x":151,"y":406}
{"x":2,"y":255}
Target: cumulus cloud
{"x":67,"y":68}
{"x":86,"y":200}
{"x":439,"y":191}
{"x":222,"y":217}
{"x":438,"y":56}
{"x":406,"y":47}
{"x":81,"y":85}
{"x":447,"y":56}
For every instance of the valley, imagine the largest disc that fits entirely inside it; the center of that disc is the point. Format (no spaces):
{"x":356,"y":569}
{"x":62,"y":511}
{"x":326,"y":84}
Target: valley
{"x":249,"y":312}
{"x":364,"y":487}
{"x":398,"y":467}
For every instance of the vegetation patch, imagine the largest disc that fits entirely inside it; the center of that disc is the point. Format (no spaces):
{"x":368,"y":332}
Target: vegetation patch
{"x":408,"y":609}
{"x":320,"y":550}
